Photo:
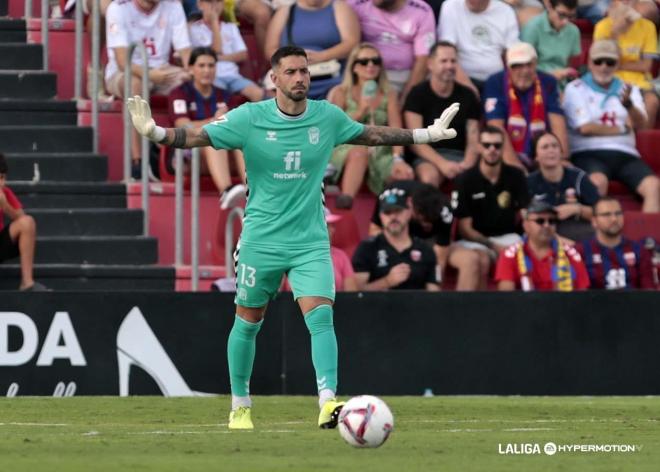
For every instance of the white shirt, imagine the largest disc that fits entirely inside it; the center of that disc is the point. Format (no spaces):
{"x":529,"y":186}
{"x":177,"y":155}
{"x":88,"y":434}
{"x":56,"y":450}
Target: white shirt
{"x":160,"y":29}
{"x":232,"y":41}
{"x":481,"y":38}
{"x":583,"y":105}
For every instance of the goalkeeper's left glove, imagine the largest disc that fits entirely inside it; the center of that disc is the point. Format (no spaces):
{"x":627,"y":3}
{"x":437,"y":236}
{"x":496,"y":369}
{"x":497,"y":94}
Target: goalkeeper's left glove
{"x":438,"y":130}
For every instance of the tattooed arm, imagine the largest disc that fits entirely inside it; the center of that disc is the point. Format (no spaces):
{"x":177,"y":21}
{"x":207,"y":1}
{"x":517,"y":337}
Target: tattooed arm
{"x":186,"y":137}
{"x":384,"y":136}
{"x":387,"y":136}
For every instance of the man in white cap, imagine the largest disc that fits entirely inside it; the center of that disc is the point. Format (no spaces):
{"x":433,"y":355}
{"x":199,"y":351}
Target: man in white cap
{"x":603,"y":113}
{"x":523,"y":102}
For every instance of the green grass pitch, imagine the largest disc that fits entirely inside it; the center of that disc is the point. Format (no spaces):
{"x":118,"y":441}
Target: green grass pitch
{"x":430,"y":434}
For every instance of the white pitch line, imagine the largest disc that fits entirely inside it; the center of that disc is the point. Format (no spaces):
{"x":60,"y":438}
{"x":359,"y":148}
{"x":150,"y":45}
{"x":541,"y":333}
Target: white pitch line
{"x":34,"y":424}
{"x":529,"y":429}
{"x":163,"y":432}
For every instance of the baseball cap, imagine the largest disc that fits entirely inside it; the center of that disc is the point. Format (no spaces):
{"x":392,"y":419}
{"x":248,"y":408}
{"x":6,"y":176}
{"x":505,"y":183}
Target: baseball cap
{"x":604,"y":49}
{"x":393,"y":199}
{"x":540,"y":206}
{"x":520,"y":53}
{"x":331,"y":217}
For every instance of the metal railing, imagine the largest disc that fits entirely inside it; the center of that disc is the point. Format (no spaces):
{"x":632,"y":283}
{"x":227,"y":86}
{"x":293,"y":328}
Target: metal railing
{"x":128,"y":129}
{"x":236,"y":212}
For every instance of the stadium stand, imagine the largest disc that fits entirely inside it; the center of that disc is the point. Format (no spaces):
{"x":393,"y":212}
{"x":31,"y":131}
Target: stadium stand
{"x":87,"y":238}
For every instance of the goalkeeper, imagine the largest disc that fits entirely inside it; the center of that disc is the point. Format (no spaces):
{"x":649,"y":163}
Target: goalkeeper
{"x":287,"y":142}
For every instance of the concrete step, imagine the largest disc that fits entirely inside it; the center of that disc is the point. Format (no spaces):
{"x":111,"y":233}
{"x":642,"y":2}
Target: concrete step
{"x":70,"y":194}
{"x":88,"y":222}
{"x":62,"y":167}
{"x":27,"y":84}
{"x":49,"y":138}
{"x":113,"y":250}
{"x":21,"y":56}
{"x":92,"y":277}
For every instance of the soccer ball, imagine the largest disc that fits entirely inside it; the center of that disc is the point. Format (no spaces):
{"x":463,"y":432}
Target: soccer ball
{"x":365,"y":421}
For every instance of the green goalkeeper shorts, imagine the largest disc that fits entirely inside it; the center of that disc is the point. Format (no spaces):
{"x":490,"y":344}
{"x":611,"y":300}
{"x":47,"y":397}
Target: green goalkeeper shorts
{"x":259,"y":272}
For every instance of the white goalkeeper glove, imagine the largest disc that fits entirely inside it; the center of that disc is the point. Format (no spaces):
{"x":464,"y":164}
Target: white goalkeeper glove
{"x":439,"y":129}
{"x":142,"y":120}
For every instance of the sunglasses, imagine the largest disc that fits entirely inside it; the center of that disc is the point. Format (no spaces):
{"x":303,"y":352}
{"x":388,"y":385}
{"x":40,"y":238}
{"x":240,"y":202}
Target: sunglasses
{"x":607,"y":62}
{"x":377,"y":61}
{"x":542,"y":221}
{"x":495,"y":145}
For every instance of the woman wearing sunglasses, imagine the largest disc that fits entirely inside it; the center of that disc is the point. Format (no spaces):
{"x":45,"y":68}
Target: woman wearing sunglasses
{"x":366,"y":96}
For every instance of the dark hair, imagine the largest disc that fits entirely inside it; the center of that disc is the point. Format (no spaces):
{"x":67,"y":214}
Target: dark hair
{"x":537,"y":138}
{"x":490,"y":129}
{"x":3,"y":164}
{"x":605,"y":198}
{"x":442,"y":44}
{"x":286,"y":51}
{"x":570,"y":4}
{"x":428,"y":202}
{"x":201,"y":51}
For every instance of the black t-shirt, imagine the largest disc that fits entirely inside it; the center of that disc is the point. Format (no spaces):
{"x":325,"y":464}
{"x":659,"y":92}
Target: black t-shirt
{"x":440,"y":233}
{"x":574,"y":186}
{"x":423,"y":101}
{"x":376,"y":256}
{"x":493,"y":208}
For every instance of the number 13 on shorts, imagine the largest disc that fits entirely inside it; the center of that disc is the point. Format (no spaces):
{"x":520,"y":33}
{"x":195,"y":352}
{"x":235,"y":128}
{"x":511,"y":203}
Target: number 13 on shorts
{"x":247,"y":275}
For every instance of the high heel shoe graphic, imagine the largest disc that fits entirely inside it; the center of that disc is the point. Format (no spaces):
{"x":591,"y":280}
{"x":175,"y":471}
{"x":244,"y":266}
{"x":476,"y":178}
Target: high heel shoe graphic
{"x":138,"y":345}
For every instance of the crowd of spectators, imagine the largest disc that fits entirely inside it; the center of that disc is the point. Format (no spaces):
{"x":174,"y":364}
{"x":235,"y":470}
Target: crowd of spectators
{"x":540,"y":134}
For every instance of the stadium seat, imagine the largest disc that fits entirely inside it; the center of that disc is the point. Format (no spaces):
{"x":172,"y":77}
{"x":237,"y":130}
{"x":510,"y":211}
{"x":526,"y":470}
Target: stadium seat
{"x":640,"y":225}
{"x":648,"y":144}
{"x":585,"y":26}
{"x":347,"y":234}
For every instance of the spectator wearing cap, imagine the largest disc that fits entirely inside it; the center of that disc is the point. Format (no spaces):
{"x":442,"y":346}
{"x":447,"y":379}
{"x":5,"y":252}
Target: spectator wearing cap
{"x":541,"y":261}
{"x":637,"y":38}
{"x":555,"y":38}
{"x":488,"y":199}
{"x":394,"y":259}
{"x":431,"y":221}
{"x":523,"y":102}
{"x":567,"y":189}
{"x":613,"y":261}
{"x":603,"y":113}
{"x":345,"y":280}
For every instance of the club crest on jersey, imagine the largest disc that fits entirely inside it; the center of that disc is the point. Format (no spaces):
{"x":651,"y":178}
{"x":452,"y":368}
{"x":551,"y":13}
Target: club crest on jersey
{"x":313,"y":133}
{"x":222,"y":119}
{"x":271,"y":136}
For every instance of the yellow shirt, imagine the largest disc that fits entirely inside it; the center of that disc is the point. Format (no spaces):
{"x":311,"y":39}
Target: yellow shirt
{"x":640,"y":40}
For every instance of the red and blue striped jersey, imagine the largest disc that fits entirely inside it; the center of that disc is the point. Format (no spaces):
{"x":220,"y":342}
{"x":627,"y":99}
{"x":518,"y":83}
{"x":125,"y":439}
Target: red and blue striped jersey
{"x":625,"y":266}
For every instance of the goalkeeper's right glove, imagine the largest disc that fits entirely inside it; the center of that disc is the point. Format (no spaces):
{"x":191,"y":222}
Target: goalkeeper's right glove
{"x":142,"y":120}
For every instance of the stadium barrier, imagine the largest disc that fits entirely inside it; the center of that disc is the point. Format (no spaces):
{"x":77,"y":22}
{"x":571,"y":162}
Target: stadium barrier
{"x":591,"y":343}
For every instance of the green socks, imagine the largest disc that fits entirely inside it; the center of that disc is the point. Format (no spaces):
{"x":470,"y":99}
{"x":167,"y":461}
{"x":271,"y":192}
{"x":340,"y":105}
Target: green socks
{"x":324,"y":346}
{"x":240,"y":354}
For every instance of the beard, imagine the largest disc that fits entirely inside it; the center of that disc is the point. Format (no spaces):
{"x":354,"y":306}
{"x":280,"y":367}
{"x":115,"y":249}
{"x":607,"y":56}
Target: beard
{"x":395,"y":228}
{"x":295,"y":95}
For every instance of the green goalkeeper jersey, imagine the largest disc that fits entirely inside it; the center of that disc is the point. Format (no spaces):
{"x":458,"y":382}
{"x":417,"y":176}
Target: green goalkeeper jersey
{"x":285,"y":160}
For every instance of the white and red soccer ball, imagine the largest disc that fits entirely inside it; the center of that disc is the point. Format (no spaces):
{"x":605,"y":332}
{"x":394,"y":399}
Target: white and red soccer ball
{"x":365,"y":421}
